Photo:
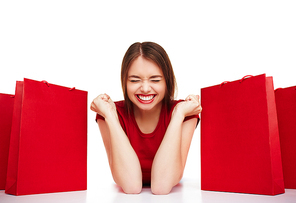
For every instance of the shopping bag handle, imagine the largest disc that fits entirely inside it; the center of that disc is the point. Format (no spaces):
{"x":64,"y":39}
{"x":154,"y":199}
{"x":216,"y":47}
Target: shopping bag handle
{"x":245,"y":77}
{"x":223,"y":83}
{"x":45,"y":82}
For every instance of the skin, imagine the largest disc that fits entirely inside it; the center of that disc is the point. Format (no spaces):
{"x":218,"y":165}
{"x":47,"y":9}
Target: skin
{"x":145,"y":78}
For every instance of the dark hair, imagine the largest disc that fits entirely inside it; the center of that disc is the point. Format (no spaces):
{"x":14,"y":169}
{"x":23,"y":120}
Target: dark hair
{"x":154,"y":52}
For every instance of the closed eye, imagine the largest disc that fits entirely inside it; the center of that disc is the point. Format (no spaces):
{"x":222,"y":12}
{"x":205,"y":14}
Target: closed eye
{"x":156,"y":78}
{"x":134,"y":80}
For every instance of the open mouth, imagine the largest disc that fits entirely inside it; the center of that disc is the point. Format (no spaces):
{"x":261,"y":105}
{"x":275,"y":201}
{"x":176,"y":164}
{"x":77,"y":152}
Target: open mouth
{"x":145,"y":98}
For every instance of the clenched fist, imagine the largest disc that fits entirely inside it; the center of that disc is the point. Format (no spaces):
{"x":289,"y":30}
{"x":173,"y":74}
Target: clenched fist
{"x":189,"y":107}
{"x":103,"y":105}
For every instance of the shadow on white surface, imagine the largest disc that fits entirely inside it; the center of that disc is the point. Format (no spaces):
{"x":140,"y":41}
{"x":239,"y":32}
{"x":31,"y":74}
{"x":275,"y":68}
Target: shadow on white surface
{"x":207,"y":196}
{"x":147,"y":196}
{"x":61,"y":197}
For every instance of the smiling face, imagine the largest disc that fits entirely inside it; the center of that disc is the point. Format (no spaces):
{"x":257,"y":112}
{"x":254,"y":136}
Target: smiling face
{"x":157,"y":57}
{"x":146,"y":85}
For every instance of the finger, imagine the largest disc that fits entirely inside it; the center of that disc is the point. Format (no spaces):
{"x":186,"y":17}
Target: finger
{"x":110,"y":100}
{"x":191,"y":97}
{"x":91,"y":105}
{"x":92,"y":108}
{"x":198,"y":98}
{"x":107,"y":96}
{"x":104,"y":98}
{"x":188,"y":98}
{"x":101,"y":96}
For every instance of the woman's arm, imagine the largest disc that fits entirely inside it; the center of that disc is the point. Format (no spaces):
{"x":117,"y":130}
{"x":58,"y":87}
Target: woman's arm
{"x":123,"y":161}
{"x":169,"y":161}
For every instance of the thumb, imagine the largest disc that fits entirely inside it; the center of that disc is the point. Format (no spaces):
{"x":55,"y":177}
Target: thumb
{"x":197,"y":97}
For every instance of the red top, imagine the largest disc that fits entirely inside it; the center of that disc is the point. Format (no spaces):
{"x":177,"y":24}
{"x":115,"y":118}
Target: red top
{"x":145,"y":145}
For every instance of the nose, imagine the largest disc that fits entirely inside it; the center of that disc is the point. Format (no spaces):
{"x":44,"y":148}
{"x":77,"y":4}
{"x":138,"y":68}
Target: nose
{"x":145,"y":88}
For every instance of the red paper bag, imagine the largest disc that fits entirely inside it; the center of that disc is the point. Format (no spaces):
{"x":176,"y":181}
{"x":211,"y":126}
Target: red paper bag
{"x":6,"y":106}
{"x":48,"y":145}
{"x":286,"y":111}
{"x":240,"y":149}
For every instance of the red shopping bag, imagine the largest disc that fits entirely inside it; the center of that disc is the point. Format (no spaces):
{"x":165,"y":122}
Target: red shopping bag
{"x":48,"y":145}
{"x":240,"y":149}
{"x":286,"y":111}
{"x":6,"y":106}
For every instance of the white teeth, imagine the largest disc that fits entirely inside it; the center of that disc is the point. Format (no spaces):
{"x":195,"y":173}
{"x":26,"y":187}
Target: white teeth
{"x":146,"y":98}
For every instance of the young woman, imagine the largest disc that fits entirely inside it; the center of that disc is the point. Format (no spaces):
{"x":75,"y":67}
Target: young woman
{"x":147,"y":136}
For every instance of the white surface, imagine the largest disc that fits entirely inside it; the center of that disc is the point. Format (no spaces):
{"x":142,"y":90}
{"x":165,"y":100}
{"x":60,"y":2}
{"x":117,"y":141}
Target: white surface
{"x":81,"y":43}
{"x":187,"y":191}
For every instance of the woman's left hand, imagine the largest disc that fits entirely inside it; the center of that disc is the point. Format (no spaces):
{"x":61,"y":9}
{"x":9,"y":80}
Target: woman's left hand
{"x":189,"y":107}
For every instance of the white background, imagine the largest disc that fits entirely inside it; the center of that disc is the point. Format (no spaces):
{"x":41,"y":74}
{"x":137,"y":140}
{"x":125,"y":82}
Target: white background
{"x":81,"y":43}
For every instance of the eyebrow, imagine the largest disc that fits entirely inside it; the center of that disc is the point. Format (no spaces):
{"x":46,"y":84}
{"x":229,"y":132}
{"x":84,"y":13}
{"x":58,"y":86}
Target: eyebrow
{"x":133,"y":76}
{"x":153,"y":76}
{"x":156,"y":76}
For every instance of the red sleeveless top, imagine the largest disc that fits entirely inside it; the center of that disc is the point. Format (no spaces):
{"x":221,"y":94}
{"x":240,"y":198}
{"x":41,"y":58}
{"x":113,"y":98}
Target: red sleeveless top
{"x":145,"y":145}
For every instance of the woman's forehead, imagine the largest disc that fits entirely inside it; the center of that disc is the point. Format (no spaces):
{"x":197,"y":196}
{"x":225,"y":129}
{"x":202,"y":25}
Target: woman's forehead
{"x":142,"y":66}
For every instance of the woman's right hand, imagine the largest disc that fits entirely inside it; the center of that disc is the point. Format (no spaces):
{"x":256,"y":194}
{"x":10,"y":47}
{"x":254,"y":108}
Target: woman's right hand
{"x":103,"y":105}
